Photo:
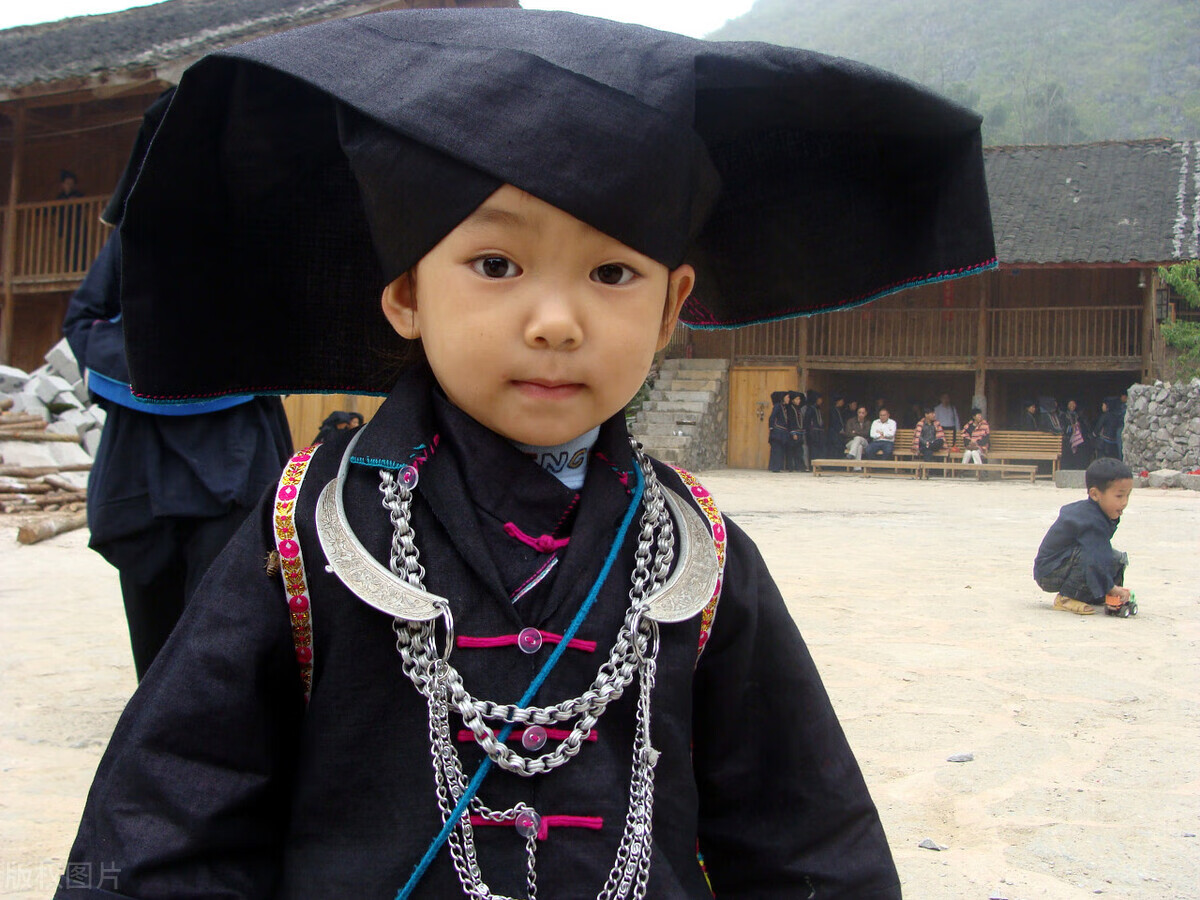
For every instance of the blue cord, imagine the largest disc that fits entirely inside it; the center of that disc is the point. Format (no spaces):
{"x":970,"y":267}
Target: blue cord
{"x":481,"y":773}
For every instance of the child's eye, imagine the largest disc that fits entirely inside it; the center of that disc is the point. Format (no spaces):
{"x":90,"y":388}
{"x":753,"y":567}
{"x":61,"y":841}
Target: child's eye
{"x":613,"y":273}
{"x":496,"y":267}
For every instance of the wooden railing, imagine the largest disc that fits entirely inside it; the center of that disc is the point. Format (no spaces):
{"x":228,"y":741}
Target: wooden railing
{"x":894,"y":333}
{"x":1108,"y":335}
{"x":55,"y":241}
{"x":771,"y":339}
{"x":1096,"y":332}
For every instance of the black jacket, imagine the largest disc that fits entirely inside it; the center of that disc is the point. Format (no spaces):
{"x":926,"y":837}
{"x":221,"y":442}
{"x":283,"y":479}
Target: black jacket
{"x":1081,"y":524}
{"x":219,"y":782}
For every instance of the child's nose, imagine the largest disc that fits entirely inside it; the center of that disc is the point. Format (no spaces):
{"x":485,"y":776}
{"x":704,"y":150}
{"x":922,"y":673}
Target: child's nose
{"x":554,"y":324}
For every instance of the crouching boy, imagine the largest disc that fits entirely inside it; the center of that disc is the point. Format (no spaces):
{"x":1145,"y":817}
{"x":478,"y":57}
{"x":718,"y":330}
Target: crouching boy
{"x":1076,"y":558}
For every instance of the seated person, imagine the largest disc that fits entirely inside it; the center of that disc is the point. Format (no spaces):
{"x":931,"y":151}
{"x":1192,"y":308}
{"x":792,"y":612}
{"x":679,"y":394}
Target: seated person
{"x":928,"y":436}
{"x":1076,"y":558}
{"x":1029,"y":416}
{"x":975,"y":438}
{"x":855,"y":432}
{"x":883,"y":437}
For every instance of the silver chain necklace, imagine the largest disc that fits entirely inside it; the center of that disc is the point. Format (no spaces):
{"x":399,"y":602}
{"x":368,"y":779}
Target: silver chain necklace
{"x":656,"y":595}
{"x":634,"y":652}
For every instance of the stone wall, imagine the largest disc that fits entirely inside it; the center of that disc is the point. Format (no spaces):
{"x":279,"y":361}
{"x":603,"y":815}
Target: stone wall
{"x":1162,"y":426}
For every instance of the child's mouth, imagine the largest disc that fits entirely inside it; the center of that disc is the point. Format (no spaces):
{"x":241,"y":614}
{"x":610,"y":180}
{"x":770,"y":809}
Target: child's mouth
{"x":541,"y":389}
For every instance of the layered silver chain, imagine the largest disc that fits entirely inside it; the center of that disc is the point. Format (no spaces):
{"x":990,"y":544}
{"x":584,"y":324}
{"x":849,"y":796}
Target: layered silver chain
{"x":634,"y":653}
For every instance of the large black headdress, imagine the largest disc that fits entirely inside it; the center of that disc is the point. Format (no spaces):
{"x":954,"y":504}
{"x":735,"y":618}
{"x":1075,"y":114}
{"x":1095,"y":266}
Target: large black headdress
{"x":294,"y":176}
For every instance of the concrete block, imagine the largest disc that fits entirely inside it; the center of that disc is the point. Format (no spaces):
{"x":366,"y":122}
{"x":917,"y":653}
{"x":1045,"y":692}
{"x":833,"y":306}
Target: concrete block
{"x":61,"y":426}
{"x":91,"y":441}
{"x":1069,"y":478}
{"x":62,"y":361}
{"x":29,"y":453}
{"x":63,"y":402}
{"x":1164,"y":478}
{"x":29,"y":402}
{"x":80,"y":390}
{"x":12,"y":379}
{"x":65,"y":454}
{"x":76,"y":420}
{"x":97,"y":415}
{"x":47,"y":387}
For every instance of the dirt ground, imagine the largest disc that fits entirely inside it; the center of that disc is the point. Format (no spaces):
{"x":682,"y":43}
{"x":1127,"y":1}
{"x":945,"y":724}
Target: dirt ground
{"x":917,"y":602}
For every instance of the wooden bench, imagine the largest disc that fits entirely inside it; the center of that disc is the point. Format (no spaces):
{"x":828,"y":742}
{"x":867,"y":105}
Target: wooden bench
{"x":1001,"y":469}
{"x":903,"y":448}
{"x":910,"y":467}
{"x":1026,"y":446}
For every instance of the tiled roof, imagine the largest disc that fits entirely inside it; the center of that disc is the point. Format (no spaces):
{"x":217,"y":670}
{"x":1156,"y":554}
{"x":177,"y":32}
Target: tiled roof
{"x":158,"y":34}
{"x":1112,"y":202}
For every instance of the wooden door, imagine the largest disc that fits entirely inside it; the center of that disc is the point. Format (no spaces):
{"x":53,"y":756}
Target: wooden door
{"x":750,"y":408}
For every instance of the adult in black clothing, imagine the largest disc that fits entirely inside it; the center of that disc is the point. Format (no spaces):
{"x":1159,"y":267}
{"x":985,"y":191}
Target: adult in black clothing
{"x":1107,"y":429}
{"x":795,"y":424}
{"x":171,"y":483}
{"x":835,"y":426}
{"x":70,"y":221}
{"x":1077,"y":438}
{"x":777,"y":432}
{"x":1029,"y":417}
{"x":814,"y":426}
{"x":167,"y":489}
{"x":1050,"y":419}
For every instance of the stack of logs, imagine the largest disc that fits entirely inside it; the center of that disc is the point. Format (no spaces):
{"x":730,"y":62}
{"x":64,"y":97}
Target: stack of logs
{"x":41,"y":488}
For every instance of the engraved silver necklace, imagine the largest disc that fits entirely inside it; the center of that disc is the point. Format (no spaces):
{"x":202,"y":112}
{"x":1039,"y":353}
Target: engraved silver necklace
{"x":654,"y":596}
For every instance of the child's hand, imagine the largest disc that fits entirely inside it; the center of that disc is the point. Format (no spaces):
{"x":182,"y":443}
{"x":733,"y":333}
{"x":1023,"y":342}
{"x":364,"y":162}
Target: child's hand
{"x":1122,"y":592}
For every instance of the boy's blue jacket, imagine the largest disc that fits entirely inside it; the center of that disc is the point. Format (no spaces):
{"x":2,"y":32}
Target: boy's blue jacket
{"x":1081,"y":524}
{"x":219,"y":782}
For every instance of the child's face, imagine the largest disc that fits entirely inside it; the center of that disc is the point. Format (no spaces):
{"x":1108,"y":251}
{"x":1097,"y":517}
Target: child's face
{"x":534,"y":323}
{"x":1114,"y":498}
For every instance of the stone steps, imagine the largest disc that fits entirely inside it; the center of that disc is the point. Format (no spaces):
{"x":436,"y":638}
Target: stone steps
{"x":676,"y":418}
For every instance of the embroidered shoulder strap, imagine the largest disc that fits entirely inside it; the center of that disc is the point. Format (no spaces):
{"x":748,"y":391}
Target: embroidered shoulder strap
{"x":717,"y":525}
{"x":291,"y":562}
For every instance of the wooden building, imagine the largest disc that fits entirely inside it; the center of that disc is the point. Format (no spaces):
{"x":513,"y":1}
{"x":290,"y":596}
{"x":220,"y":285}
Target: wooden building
{"x":72,"y":95}
{"x":1072,"y":311}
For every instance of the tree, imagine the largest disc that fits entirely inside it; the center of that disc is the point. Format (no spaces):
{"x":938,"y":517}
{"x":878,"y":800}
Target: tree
{"x":1183,"y":336}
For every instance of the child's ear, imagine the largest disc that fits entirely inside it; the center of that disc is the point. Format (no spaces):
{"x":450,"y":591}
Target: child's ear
{"x":400,"y":307}
{"x":1095,"y":493}
{"x":679,"y":288}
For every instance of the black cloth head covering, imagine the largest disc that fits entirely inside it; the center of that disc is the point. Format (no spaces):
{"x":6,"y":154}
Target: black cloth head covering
{"x":295,"y":175}
{"x":114,"y":210}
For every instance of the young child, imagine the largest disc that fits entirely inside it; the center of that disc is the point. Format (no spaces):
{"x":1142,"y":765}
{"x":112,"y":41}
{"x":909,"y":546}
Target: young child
{"x":499,"y":651}
{"x":1076,"y":558}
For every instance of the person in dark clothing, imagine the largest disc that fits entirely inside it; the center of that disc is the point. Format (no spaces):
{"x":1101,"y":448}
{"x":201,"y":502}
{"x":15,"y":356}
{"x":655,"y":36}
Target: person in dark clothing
{"x":928,"y":436}
{"x":1076,"y":558}
{"x":835,"y":426}
{"x":777,"y":431}
{"x":71,"y":227}
{"x":814,"y":427}
{"x":1077,"y":438}
{"x":335,"y":422}
{"x":1029,"y":416}
{"x":1050,"y":419}
{"x":797,"y":459}
{"x":170,"y":484}
{"x":299,"y":735}
{"x":1107,"y":429}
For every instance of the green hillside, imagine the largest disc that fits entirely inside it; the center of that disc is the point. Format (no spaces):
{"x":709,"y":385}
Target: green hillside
{"x":1040,"y":71}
